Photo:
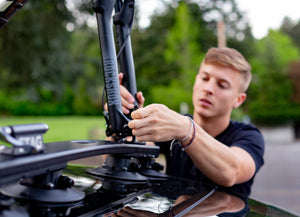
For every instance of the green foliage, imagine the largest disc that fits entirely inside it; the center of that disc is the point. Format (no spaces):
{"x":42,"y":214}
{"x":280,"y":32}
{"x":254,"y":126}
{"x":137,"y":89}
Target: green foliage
{"x":40,"y":54}
{"x":172,"y":95}
{"x":57,"y":71}
{"x":292,"y":29}
{"x":184,"y":53}
{"x":148,"y":49}
{"x":271,"y":91}
{"x":88,"y":86}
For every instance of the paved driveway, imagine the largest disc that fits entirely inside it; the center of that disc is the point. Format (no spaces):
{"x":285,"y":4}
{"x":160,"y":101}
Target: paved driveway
{"x":278,"y":182}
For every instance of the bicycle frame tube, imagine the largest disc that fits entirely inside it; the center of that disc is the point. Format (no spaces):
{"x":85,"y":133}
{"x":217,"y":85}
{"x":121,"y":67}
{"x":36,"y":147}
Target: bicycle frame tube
{"x":103,"y":10}
{"x":123,"y":21}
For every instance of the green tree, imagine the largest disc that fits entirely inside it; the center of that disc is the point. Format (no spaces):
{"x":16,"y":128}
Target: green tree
{"x":47,"y":68}
{"x":184,"y":54}
{"x":35,"y":58}
{"x":88,"y":86}
{"x":292,"y":29}
{"x":271,"y":90}
{"x":148,"y":49}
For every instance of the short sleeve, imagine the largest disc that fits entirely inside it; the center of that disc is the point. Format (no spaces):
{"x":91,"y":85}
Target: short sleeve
{"x":251,"y":140}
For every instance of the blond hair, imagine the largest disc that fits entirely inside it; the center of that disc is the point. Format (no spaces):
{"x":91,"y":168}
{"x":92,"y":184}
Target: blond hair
{"x":230,"y":57}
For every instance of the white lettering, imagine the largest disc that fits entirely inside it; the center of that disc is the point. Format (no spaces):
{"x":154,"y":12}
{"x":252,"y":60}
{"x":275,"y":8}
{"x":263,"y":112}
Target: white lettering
{"x":34,"y":141}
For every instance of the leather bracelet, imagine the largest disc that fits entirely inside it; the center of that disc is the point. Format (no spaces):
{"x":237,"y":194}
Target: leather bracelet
{"x":193,"y":137}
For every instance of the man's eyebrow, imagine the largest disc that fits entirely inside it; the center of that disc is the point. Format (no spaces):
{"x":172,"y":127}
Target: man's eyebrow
{"x":205,"y":72}
{"x":220,"y":79}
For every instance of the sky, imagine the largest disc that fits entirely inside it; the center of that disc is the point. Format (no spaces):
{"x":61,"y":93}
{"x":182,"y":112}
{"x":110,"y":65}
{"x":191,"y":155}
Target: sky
{"x":262,"y":14}
{"x":266,"y":14}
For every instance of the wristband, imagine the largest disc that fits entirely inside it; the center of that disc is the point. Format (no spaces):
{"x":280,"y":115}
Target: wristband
{"x":185,"y":138}
{"x":193,"y":137}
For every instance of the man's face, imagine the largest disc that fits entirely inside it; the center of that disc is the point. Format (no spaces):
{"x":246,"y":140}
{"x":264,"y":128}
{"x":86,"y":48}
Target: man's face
{"x":216,"y":91}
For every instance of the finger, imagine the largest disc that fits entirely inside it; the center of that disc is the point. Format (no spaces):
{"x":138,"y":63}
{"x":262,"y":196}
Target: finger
{"x":121,"y":75}
{"x":126,"y":95}
{"x":146,"y":134}
{"x":134,"y":124}
{"x":147,"y":111}
{"x":142,"y":132}
{"x":127,"y":100}
{"x":140,"y":119}
{"x":143,"y":112}
{"x":126,"y":107}
{"x":140,"y":98}
{"x":125,"y":110}
{"x":137,"y":114}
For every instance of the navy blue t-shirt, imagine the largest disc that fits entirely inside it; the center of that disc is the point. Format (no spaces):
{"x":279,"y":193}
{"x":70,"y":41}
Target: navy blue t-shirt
{"x":245,"y":136}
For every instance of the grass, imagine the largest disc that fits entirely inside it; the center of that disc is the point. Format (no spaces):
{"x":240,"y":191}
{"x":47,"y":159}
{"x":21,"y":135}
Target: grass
{"x":65,"y":127}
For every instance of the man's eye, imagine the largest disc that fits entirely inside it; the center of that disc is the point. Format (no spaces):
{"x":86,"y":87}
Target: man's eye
{"x":204,"y":78}
{"x":223,"y":85}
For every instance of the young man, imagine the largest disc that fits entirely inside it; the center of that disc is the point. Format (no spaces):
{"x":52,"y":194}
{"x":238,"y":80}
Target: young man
{"x":208,"y":146}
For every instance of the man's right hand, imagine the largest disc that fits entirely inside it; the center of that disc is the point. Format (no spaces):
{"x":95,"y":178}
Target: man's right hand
{"x":127,"y":99}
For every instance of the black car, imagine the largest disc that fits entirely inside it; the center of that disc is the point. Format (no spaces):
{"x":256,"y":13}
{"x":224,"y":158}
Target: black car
{"x":43,"y":185}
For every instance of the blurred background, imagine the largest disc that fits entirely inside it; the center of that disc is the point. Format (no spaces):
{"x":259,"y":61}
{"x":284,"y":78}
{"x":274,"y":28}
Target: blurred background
{"x":50,"y":71}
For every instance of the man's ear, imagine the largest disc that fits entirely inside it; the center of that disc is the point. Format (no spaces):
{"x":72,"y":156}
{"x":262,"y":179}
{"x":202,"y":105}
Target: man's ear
{"x":239,"y":100}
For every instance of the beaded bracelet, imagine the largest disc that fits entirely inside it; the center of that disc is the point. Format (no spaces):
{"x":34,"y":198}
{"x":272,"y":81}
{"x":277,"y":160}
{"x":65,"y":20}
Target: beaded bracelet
{"x":193,"y":137}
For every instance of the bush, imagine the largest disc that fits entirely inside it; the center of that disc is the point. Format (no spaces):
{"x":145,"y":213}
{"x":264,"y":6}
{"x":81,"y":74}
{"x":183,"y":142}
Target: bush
{"x":14,"y":106}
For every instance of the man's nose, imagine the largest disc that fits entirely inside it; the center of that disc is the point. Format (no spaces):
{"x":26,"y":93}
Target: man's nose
{"x":208,"y":87}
